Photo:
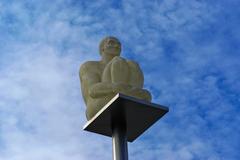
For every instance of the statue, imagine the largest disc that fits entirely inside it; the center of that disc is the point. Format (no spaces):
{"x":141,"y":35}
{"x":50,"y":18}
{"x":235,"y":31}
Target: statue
{"x":102,"y":80}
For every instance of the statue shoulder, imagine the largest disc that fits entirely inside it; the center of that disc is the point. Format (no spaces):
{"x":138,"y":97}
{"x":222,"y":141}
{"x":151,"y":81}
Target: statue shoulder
{"x":88,"y":67}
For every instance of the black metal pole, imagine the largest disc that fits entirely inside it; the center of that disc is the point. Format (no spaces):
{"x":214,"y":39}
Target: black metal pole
{"x":119,"y":140}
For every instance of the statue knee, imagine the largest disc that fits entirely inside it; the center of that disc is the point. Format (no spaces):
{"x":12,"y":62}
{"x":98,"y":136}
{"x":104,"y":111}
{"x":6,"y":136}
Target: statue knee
{"x":118,"y":62}
{"x":117,"y":58}
{"x":112,"y":68}
{"x":119,"y":71}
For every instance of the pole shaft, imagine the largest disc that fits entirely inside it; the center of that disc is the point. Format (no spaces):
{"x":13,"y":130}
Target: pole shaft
{"x":120,"y":149}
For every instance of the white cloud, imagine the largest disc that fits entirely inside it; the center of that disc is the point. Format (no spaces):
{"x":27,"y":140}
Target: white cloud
{"x":42,"y":109}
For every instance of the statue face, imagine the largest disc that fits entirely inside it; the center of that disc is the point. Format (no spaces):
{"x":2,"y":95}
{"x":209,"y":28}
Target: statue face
{"x":112,"y":46}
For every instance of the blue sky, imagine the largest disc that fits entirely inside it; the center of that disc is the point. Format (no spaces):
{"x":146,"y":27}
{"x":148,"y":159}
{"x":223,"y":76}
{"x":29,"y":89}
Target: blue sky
{"x":188,"y":51}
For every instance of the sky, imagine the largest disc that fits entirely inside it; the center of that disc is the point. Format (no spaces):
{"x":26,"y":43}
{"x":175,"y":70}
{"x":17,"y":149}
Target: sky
{"x":189,"y":52}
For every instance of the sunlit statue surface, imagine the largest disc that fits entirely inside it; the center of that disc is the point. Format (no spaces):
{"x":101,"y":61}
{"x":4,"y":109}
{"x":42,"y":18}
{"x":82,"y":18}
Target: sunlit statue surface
{"x":102,"y":80}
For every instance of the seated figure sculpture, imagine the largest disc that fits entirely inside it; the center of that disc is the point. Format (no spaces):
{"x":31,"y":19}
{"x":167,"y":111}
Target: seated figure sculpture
{"x":102,"y":80}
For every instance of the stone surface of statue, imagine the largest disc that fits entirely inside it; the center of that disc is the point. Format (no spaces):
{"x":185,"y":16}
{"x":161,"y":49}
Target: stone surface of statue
{"x":102,"y":80}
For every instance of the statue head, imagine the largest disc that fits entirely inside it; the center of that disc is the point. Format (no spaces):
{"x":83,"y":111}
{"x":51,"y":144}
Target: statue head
{"x":110,"y":45}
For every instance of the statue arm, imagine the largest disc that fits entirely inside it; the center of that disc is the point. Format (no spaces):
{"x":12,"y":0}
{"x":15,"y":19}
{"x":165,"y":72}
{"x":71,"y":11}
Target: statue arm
{"x":96,"y":89}
{"x":101,"y":89}
{"x":91,"y":83}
